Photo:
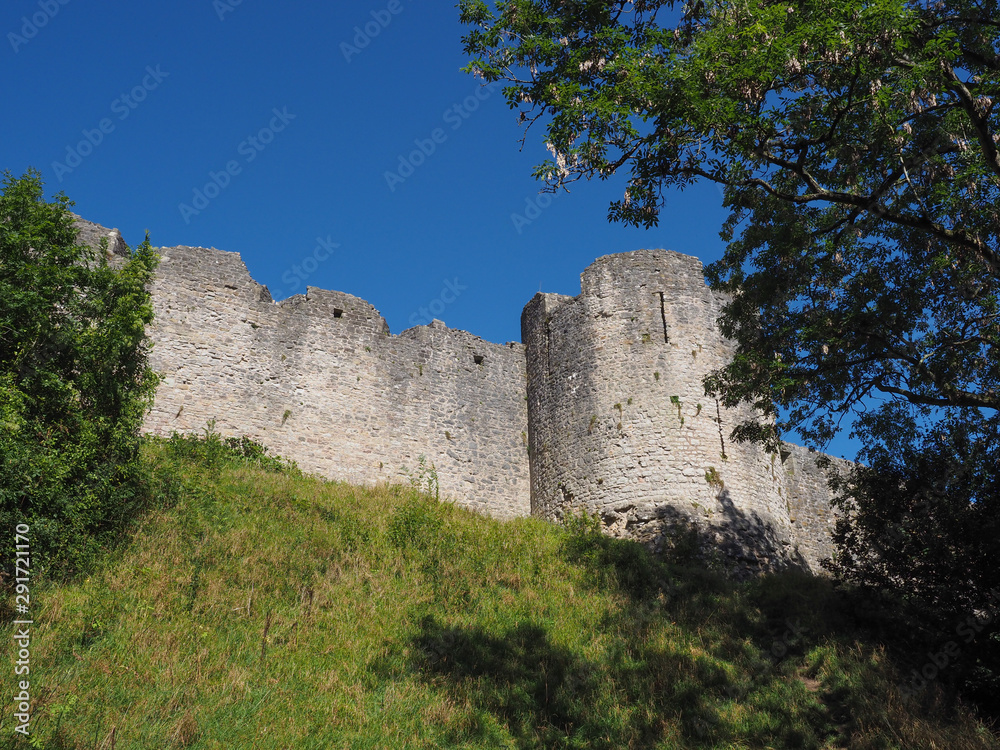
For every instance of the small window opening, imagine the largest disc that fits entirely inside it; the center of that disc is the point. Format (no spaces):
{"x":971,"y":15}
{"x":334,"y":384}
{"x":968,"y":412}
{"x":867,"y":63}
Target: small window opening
{"x":338,"y":313}
{"x":478,"y":358}
{"x":663,"y":316}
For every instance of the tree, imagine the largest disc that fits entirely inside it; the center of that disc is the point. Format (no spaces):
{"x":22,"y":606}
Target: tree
{"x":925,"y":520}
{"x":74,"y":380}
{"x":857,"y":145}
{"x":856,"y":142}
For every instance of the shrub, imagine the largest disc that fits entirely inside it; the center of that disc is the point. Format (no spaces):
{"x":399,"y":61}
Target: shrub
{"x":213,"y":451}
{"x":74,"y":380}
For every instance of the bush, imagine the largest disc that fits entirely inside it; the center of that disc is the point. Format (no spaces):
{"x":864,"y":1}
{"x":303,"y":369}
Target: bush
{"x":416,"y":525}
{"x":213,"y":451}
{"x":74,"y":381}
{"x":920,"y":535}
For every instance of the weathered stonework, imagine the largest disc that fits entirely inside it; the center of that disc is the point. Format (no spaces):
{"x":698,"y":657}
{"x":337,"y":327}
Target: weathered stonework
{"x":619,"y":423}
{"x":808,"y":494}
{"x":91,"y":234}
{"x":318,"y":378}
{"x":601,"y":409}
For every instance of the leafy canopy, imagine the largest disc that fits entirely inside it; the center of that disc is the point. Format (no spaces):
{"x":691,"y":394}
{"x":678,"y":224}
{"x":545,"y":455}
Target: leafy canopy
{"x":856,"y":142}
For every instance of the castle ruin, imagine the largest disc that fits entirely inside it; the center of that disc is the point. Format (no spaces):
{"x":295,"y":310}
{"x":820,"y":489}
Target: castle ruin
{"x":601,"y":408}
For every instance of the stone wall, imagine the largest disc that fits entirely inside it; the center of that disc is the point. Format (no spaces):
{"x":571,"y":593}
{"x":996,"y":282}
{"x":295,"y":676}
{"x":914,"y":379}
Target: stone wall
{"x":91,"y":234}
{"x":806,"y":488}
{"x":619,"y":423}
{"x":602,"y":409}
{"x":318,"y":378}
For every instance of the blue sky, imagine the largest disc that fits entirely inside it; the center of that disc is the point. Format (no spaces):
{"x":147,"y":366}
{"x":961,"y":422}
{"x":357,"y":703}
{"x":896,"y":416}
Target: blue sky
{"x":273,"y":130}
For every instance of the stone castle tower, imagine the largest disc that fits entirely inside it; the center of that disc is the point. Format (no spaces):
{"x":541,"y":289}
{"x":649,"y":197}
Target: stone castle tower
{"x":619,"y":423}
{"x":600,"y":409}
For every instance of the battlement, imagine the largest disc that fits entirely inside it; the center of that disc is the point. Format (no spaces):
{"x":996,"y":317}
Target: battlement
{"x":601,"y":408}
{"x":319,"y":378}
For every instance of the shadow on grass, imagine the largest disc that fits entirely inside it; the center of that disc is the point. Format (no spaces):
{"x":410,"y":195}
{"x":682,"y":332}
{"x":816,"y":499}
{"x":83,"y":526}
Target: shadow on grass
{"x":683,"y":650}
{"x":546,"y":696}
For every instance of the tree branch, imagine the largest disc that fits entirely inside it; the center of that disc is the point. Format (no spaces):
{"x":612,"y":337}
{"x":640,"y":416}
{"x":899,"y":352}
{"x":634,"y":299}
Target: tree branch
{"x":958,"y":398}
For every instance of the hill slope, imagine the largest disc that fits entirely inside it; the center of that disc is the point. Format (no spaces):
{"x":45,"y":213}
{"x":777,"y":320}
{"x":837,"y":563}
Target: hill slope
{"x":257,"y":608}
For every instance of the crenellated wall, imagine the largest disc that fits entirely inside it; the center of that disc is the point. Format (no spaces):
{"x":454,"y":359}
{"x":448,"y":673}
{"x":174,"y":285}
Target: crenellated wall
{"x":318,"y":378}
{"x":601,"y":409}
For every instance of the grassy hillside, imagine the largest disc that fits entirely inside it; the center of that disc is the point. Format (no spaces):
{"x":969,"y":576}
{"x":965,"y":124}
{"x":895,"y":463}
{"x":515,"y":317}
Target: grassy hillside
{"x":255,"y":608}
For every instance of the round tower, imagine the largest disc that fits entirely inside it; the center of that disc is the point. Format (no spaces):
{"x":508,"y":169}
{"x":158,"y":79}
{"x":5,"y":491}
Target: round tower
{"x":619,"y":423}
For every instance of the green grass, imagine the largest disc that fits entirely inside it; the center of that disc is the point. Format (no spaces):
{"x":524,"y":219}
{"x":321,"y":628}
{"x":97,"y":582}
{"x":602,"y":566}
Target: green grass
{"x":256,"y":608}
